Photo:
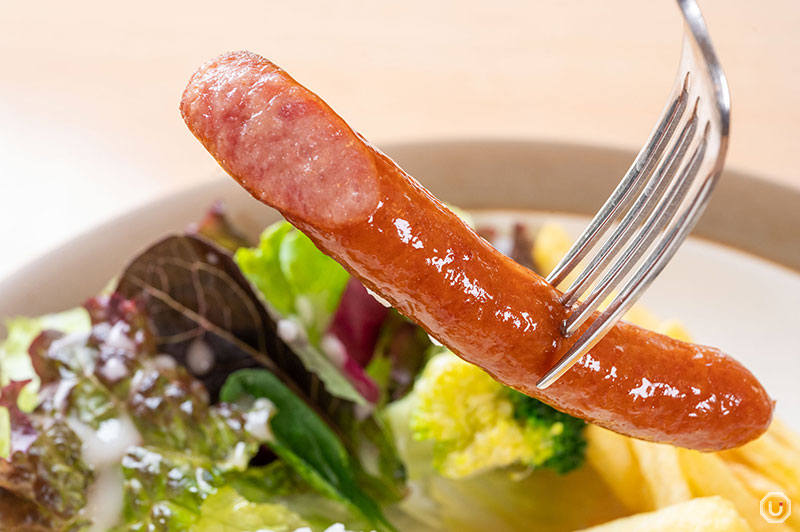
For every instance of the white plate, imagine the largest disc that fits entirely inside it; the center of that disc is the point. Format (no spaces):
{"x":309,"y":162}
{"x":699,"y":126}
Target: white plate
{"x":747,"y":303}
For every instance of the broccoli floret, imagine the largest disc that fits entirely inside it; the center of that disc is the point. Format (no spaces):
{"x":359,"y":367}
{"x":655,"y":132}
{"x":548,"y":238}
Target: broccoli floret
{"x":564,"y":431}
{"x":476,"y":424}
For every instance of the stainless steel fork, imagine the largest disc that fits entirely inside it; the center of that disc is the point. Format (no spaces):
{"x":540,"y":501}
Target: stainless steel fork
{"x":657,"y":202}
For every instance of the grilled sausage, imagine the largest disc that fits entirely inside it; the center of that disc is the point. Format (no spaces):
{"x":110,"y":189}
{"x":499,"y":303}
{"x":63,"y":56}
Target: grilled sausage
{"x":287,"y":148}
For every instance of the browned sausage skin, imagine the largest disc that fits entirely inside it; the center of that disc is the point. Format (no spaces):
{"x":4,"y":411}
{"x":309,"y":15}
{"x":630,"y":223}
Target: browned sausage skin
{"x":291,"y":151}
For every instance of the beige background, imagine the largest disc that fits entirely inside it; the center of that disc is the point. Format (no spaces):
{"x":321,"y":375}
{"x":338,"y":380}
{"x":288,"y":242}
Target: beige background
{"x":89,"y":90}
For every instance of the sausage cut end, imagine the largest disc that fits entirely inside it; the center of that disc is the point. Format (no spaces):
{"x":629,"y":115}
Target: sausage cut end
{"x":277,"y":139}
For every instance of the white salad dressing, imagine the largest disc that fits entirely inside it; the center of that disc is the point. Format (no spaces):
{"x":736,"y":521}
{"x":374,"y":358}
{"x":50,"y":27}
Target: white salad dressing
{"x":289,"y":330}
{"x":103,"y":449}
{"x":200,"y":357}
{"x":117,"y":336}
{"x":109,"y":443}
{"x":338,"y":527}
{"x":113,"y":370}
{"x":105,"y":499}
{"x":334,"y":349}
{"x":256,"y":420}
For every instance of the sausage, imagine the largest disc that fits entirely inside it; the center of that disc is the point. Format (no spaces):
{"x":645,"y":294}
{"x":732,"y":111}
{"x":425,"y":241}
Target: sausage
{"x":288,"y":149}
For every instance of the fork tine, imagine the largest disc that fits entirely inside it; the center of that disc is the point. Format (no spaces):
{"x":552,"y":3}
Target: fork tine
{"x":625,"y":192}
{"x":644,"y":205}
{"x":661,"y":219}
{"x":676,"y":232}
{"x":658,"y":213}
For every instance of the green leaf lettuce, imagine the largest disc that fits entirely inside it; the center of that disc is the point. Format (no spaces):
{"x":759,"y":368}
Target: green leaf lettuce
{"x":227,"y":511}
{"x":305,"y":442}
{"x":15,"y":364}
{"x":295,"y":277}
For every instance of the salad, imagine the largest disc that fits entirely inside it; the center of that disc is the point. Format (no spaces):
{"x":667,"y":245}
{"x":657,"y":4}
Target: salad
{"x":225,"y":385}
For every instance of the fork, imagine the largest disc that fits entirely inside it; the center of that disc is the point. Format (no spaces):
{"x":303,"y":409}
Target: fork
{"x":657,"y":202}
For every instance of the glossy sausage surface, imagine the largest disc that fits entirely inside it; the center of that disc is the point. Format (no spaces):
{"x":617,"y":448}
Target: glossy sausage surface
{"x":285,"y":146}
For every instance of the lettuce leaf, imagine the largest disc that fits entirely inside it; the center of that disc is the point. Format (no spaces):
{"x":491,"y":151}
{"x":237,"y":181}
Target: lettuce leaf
{"x":35,"y":449}
{"x":193,"y":291}
{"x":44,"y":477}
{"x":109,"y":402}
{"x":357,"y":322}
{"x":400,"y":354}
{"x":196,"y":297}
{"x":305,"y":441}
{"x":227,"y":511}
{"x":262,"y":267}
{"x":15,"y":364}
{"x":333,"y":315}
{"x":295,"y":277}
{"x":354,"y":331}
{"x":268,"y":482}
{"x":114,"y":372}
{"x":164,"y":488}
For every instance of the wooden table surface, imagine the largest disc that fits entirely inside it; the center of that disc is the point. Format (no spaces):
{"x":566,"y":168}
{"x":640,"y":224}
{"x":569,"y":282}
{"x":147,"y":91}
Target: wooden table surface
{"x":89,"y":90}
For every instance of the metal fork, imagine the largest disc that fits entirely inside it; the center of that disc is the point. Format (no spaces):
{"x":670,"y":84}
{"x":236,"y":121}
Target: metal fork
{"x":657,"y":202}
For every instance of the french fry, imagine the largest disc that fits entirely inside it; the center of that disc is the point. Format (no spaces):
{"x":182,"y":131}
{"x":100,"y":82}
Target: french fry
{"x":710,"y":514}
{"x":786,"y":436}
{"x":644,"y":476}
{"x":770,"y":456}
{"x":758,"y":485}
{"x":708,"y":474}
{"x":662,"y":473}
{"x":610,"y":454}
